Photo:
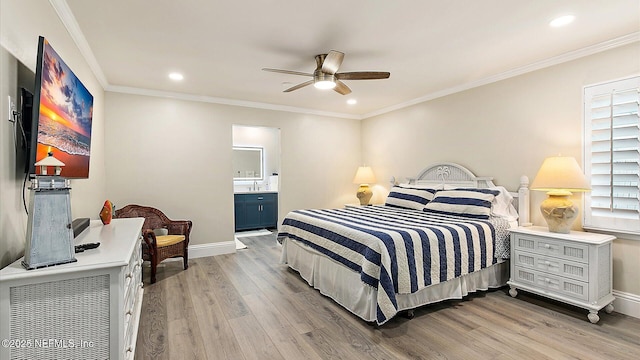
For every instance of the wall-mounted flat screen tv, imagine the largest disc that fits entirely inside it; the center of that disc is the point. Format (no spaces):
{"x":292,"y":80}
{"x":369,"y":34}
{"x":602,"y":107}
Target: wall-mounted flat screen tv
{"x":62,"y":115}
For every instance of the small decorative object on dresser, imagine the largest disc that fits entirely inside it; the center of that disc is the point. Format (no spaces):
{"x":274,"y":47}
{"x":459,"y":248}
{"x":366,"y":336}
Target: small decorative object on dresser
{"x":106,"y":214}
{"x":575,"y":268}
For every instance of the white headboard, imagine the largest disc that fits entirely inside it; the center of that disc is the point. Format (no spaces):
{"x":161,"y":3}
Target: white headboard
{"x":451,"y":174}
{"x":457,"y":175}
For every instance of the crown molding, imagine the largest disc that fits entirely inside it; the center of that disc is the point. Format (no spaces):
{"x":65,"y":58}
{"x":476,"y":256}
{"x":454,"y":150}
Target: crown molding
{"x":224,"y":101}
{"x":66,"y":16}
{"x":69,"y":21}
{"x":573,"y":55}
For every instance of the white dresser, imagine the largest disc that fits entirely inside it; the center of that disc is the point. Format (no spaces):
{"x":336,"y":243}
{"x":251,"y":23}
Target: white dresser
{"x":89,"y":309}
{"x":574,"y":268}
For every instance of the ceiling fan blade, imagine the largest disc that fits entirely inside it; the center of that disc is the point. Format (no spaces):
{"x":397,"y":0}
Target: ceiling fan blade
{"x":342,"y":88}
{"x":287,"y":72}
{"x":363,"y":75}
{"x":299,"y":86}
{"x":332,"y":62}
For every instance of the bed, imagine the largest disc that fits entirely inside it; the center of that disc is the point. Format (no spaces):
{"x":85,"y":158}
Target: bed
{"x":377,"y":261}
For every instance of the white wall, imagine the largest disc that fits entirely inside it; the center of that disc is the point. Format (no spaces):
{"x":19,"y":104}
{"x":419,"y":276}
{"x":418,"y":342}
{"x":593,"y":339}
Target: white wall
{"x":21,"y":22}
{"x":505,"y":130}
{"x":176,"y":155}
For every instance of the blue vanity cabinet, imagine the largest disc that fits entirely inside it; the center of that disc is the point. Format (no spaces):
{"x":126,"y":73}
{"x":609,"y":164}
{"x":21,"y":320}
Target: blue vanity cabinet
{"x":256,"y":211}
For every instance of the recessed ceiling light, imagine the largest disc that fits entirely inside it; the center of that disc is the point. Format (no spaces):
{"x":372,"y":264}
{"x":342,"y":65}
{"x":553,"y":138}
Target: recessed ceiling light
{"x":562,"y":21}
{"x":176,"y":76}
{"x":352,"y":101}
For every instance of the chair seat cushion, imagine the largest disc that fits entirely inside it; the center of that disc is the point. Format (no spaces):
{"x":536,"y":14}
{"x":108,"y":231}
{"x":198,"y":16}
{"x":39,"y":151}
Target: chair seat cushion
{"x":167,"y":240}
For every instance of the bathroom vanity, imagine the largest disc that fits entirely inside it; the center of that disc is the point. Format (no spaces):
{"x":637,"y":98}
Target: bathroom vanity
{"x":256,"y":210}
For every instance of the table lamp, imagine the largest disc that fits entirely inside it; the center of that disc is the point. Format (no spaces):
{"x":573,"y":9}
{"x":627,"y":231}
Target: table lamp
{"x":364,"y":177}
{"x":559,"y":176}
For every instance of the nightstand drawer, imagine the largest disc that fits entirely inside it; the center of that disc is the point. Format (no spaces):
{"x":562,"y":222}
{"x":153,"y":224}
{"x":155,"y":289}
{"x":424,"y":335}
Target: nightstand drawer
{"x":550,"y":247}
{"x":545,"y":282}
{"x":553,"y":265}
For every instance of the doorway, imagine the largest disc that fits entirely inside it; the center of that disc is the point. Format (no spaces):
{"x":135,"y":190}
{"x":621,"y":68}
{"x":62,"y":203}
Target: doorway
{"x":256,"y":177}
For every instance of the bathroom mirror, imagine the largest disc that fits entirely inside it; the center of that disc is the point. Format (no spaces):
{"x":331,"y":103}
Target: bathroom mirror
{"x":247,"y":163}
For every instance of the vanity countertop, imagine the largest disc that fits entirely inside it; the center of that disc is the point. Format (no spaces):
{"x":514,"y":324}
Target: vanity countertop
{"x":257,"y":192}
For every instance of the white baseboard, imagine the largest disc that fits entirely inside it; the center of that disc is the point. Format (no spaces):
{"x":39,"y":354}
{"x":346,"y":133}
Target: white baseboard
{"x":212,"y":249}
{"x":626,"y":303}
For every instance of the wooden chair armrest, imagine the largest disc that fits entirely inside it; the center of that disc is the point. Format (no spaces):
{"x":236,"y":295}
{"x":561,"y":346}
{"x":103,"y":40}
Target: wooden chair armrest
{"x":149,"y":238}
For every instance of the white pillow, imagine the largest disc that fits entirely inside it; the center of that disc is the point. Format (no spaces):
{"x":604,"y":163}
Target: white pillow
{"x":502,"y":205}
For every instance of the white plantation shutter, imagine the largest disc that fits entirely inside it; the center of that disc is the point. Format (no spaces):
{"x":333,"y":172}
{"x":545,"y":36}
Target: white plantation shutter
{"x":612,"y":156}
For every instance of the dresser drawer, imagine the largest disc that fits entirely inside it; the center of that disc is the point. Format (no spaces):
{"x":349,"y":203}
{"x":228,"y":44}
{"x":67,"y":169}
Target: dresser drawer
{"x":551,"y":247}
{"x":552,"y":265}
{"x":545,"y":282}
{"x":132,"y":317}
{"x":132,"y":272}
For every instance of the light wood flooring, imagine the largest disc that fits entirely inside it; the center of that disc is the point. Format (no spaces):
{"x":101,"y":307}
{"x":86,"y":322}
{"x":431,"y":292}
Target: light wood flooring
{"x":248,"y":306}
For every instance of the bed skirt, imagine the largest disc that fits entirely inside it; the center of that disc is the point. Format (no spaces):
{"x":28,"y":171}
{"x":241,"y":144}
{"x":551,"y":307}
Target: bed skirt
{"x":344,"y":286}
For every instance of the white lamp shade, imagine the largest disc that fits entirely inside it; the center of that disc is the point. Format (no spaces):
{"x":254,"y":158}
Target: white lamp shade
{"x":364,"y":175}
{"x":560,"y":173}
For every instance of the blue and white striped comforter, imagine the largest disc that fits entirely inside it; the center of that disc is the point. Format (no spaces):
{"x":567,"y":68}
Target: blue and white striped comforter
{"x":397,"y":251}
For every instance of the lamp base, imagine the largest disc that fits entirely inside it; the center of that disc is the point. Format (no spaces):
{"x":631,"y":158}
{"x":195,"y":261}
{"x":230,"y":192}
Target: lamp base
{"x":364,"y":194}
{"x":559,"y":213}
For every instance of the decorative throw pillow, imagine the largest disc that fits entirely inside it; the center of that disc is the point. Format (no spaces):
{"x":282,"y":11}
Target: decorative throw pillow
{"x":161,"y":232}
{"x":409,"y":198}
{"x":472,"y":203}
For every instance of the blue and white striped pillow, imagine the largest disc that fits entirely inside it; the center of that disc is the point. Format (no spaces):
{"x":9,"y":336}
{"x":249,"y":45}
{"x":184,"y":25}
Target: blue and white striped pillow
{"x":472,"y":203}
{"x":409,"y":198}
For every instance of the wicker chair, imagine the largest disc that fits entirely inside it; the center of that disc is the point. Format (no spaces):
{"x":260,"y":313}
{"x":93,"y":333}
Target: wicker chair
{"x":163,"y":238}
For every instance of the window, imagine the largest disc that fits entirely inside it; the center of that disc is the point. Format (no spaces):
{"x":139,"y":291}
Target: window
{"x":612,"y":156}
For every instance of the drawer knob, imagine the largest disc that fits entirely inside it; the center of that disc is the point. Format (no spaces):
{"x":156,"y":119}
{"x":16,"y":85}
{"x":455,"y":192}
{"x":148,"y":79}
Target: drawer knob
{"x":547,"y":246}
{"x":547,"y":280}
{"x":547,"y":263}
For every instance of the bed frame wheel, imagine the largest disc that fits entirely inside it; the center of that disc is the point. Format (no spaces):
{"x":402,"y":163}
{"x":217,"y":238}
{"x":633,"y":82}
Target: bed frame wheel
{"x":513,"y":292}
{"x":593,"y":317}
{"x":409,"y":314}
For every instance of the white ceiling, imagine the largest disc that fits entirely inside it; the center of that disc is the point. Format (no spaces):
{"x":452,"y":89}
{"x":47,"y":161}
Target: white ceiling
{"x":431,"y":47}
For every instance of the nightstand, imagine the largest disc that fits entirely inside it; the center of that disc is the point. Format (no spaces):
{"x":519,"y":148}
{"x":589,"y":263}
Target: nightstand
{"x":357,"y":205}
{"x":574,"y":268}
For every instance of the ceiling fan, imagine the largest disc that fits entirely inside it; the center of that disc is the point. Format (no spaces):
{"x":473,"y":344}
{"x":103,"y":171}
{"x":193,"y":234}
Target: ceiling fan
{"x":326,"y":75}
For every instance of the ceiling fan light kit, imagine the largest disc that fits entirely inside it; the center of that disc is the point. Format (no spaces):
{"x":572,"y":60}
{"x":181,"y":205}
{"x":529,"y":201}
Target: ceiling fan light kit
{"x":324,"y":81}
{"x":326,"y":75}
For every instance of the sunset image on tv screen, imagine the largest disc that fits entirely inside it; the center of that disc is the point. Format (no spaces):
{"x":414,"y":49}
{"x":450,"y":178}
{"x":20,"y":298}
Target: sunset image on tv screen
{"x":64,"y":123}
